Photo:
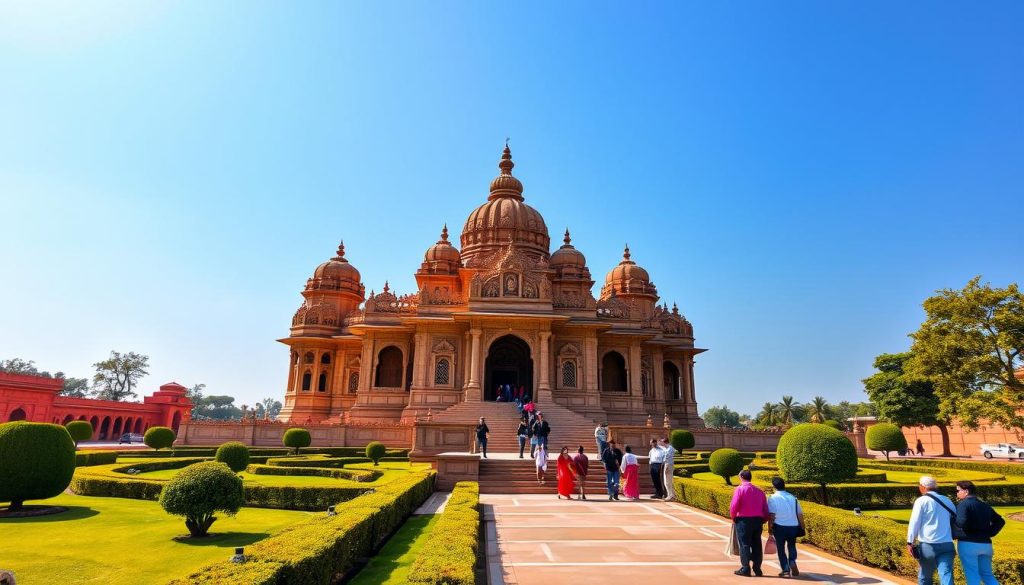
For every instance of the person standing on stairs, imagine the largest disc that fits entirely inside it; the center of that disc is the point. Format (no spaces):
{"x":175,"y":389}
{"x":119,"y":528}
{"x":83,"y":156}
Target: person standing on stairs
{"x":601,"y":436}
{"x":523,"y":433}
{"x":612,"y":460}
{"x":582,"y":464}
{"x":542,"y":429}
{"x":482,"y":433}
{"x":541,"y":460}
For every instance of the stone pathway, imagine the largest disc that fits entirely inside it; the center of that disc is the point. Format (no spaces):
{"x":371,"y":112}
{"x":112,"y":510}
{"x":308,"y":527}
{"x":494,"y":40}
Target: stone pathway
{"x":538,"y":540}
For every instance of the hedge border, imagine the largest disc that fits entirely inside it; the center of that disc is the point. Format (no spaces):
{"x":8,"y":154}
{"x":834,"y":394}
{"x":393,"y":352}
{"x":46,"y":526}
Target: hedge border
{"x":326,"y":548}
{"x":90,"y":458}
{"x":361,"y":475}
{"x":454,"y":550}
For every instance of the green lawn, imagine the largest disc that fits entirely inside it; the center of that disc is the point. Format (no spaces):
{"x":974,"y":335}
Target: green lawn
{"x":391,"y":469}
{"x":117,"y":540}
{"x":905,"y":477}
{"x":391,"y":565}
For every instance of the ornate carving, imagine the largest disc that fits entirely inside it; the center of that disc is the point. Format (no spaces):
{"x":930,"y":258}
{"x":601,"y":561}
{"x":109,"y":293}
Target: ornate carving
{"x":511,"y":288}
{"x":491,"y":288}
{"x":439,"y":296}
{"x":669,"y":322}
{"x":444,"y":345}
{"x":388,"y":302}
{"x":569,"y":349}
{"x":614,"y":308}
{"x":318,"y":312}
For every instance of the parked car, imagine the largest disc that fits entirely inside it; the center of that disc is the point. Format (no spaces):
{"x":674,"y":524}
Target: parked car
{"x":1003,"y":450}
{"x":130,"y":438}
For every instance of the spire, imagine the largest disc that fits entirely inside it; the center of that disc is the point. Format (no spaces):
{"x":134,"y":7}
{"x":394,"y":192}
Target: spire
{"x":505,"y":185}
{"x":444,"y":234}
{"x":567,"y":240}
{"x":340,"y":257}
{"x":506,"y":163}
{"x":626,"y":256}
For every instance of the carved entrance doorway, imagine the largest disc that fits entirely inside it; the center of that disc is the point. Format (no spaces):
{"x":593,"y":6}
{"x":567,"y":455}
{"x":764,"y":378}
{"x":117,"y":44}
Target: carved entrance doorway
{"x":508,"y":362}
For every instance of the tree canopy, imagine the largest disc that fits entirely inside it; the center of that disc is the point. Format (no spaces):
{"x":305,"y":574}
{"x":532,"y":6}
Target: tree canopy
{"x":116,"y":375}
{"x":904,"y":398}
{"x":970,"y":346}
{"x":721,"y":417}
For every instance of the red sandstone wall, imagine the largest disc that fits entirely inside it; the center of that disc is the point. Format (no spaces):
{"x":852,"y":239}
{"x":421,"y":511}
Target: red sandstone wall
{"x":961,"y":442}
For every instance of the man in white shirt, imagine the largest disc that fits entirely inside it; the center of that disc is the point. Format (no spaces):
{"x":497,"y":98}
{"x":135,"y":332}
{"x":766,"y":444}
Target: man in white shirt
{"x":656,"y":457}
{"x":930,"y":527}
{"x":785,"y":517}
{"x":668,"y":468}
{"x":601,"y":436}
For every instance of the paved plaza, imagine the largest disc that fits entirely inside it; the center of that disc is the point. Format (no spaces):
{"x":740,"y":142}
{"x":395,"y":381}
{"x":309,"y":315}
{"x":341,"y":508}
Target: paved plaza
{"x":537,"y":540}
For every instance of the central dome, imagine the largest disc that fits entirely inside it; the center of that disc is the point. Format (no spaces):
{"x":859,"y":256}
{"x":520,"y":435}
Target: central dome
{"x":504,"y":218}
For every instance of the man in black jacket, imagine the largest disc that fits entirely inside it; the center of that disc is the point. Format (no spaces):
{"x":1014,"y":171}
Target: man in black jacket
{"x":482,"y":433}
{"x":978,"y":523}
{"x":611,"y":458}
{"x":541,"y":429}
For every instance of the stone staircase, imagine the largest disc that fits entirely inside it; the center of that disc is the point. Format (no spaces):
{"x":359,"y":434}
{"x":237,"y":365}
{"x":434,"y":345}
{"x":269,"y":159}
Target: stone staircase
{"x":519,"y":476}
{"x":568,"y":428}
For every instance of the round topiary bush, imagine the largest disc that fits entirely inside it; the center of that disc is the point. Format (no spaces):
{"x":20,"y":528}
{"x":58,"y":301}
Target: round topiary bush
{"x":816,"y":454}
{"x":158,"y":437}
{"x":297,"y":438}
{"x":199,"y":491}
{"x":834,"y":424}
{"x":727,"y":463}
{"x":37,"y":461}
{"x":79,"y":430}
{"x":885,"y":437}
{"x":234,"y":454}
{"x":375,"y":451}
{"x":681,"y":440}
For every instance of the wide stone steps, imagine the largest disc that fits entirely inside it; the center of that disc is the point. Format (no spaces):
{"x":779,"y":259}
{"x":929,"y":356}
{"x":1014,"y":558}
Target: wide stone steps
{"x":519,"y":476}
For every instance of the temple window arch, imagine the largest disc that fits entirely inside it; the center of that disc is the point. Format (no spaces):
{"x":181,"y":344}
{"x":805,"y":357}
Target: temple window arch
{"x":295,"y":358}
{"x":307,"y":380}
{"x":673,"y":388}
{"x":569,"y":374}
{"x":321,"y":384}
{"x":353,"y":381}
{"x":325,"y":359}
{"x":568,"y":365}
{"x":389,"y":368}
{"x":613,"y":373}
{"x":308,"y":358}
{"x":442,"y":372}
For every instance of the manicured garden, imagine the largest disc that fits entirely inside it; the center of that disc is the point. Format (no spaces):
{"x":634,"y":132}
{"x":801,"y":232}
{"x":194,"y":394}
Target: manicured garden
{"x":178,"y":515}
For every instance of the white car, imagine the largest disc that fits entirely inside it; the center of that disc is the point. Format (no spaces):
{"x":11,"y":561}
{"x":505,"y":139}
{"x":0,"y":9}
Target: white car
{"x":1003,"y":450}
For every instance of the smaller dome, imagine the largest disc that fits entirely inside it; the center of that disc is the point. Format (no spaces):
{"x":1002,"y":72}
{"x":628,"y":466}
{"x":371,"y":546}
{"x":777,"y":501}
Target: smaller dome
{"x":628,"y":279}
{"x":335,"y":274}
{"x":567,"y":255}
{"x":443,"y":251}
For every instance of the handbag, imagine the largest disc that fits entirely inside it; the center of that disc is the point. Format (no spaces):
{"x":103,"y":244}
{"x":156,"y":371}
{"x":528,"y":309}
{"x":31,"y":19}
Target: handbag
{"x":800,"y":531}
{"x":732,"y":548}
{"x":770,"y":547}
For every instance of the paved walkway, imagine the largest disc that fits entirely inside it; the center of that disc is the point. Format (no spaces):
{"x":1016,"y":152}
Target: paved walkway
{"x":538,"y":540}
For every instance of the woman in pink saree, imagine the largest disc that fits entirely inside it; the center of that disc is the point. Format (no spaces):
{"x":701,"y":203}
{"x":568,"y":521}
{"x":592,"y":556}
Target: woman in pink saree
{"x":566,"y":474}
{"x":630,"y":475}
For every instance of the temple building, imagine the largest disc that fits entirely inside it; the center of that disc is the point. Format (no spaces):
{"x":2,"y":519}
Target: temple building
{"x":502,"y":310}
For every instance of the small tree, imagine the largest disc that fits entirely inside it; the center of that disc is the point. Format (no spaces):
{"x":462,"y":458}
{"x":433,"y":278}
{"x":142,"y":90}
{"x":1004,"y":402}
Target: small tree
{"x":234,"y":454}
{"x":726,"y":463}
{"x":816,"y":454}
{"x":158,"y":437}
{"x":79,"y":430}
{"x":117,"y":375}
{"x":297,"y":438}
{"x":681,"y":439}
{"x":885,"y":437}
{"x":834,"y":424}
{"x":37,"y":461}
{"x":201,"y":490}
{"x":375,"y":451}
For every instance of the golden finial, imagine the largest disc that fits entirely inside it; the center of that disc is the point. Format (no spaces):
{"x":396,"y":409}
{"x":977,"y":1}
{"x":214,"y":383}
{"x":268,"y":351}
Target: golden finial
{"x":566,"y":239}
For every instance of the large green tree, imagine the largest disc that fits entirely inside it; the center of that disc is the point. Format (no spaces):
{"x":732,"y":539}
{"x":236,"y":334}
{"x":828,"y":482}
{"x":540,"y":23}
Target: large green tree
{"x":769,"y":415}
{"x":970,"y":346}
{"x":905,"y":398}
{"x":268,"y":407}
{"x":118,"y":374}
{"x":790,"y":410}
{"x":74,"y":387}
{"x":818,"y":409}
{"x":721,"y":417}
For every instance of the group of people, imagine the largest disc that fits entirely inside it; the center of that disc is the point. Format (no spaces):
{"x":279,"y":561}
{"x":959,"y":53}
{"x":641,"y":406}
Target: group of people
{"x":509,"y":393}
{"x":934,"y":524}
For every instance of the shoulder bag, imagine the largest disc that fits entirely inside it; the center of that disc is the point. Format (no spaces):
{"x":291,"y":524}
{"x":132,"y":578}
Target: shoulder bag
{"x":954,"y":528}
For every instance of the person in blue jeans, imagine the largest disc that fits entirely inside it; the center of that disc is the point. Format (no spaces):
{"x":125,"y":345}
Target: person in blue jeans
{"x":930,"y":526}
{"x":978,"y":523}
{"x":785,"y":519}
{"x":611,"y":458}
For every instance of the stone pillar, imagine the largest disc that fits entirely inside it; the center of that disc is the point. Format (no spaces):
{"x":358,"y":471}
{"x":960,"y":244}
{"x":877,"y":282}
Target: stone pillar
{"x":544,"y":385}
{"x":291,"y":371}
{"x":473,"y":393}
{"x":366,"y":365}
{"x":466,"y":360}
{"x":658,"y":365}
{"x":634,"y":369}
{"x":589,"y":365}
{"x":689,"y":388}
{"x":420,"y":363}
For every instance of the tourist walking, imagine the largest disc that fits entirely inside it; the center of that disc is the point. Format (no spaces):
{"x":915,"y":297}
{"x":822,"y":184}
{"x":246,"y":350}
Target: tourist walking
{"x":541,"y":460}
{"x":523,"y":434}
{"x":611,"y":458}
{"x":566,"y":472}
{"x":482,"y":434}
{"x":656,"y":457}
{"x":785,"y":523}
{"x":601,"y":436}
{"x":582,"y":463}
{"x":930,"y":526}
{"x":668,"y":469}
{"x":978,"y":523}
{"x":920,"y":448}
{"x":630,"y":475}
{"x":542,"y":429}
{"x":749,"y":512}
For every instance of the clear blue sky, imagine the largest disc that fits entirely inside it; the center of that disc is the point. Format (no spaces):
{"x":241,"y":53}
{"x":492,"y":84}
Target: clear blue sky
{"x":797,"y":177}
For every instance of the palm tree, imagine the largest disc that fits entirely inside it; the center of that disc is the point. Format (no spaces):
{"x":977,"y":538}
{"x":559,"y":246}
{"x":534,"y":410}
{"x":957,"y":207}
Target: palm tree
{"x":818,"y":409}
{"x":789,"y":409}
{"x":768,"y":415}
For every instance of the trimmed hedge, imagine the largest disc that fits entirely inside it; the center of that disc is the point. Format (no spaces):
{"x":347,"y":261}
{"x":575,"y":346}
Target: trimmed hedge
{"x":158,"y":437}
{"x":863,"y":476}
{"x":326,"y":548}
{"x":874,"y":541}
{"x":37,"y":461}
{"x":315,"y":461}
{"x":726,"y":463}
{"x":90,"y":458}
{"x":233,"y":454}
{"x":199,"y":492}
{"x":454,"y":549}
{"x":885,"y":437}
{"x":681,"y":439}
{"x":297,"y":438}
{"x":362,"y":475}
{"x":80,"y":430}
{"x":1001,"y":468}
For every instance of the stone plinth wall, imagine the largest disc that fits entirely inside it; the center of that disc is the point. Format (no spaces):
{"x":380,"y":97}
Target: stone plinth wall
{"x":704,"y":439}
{"x":433,"y":438}
{"x":269,"y":434}
{"x":961,"y":441}
{"x":455,"y":467}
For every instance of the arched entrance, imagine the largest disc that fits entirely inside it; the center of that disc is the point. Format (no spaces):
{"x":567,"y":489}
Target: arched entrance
{"x":508,"y":362}
{"x":16,"y":414}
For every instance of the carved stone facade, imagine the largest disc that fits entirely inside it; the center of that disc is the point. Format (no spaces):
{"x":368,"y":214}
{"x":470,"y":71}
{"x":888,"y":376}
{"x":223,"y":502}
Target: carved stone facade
{"x":502,"y":311}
